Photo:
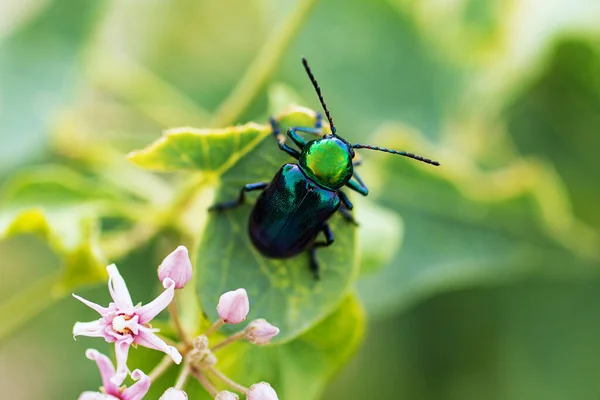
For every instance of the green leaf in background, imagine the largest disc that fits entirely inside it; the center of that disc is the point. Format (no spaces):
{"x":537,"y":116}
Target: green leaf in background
{"x":38,"y":70}
{"x":530,"y":340}
{"x":557,"y":116}
{"x":283,"y":291}
{"x":466,"y":227}
{"x":61,"y":207}
{"x":298,"y":370}
{"x":380,"y":234}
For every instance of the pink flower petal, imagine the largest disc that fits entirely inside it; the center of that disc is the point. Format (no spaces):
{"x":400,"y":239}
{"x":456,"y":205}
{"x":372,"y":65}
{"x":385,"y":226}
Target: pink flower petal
{"x":225,"y":395}
{"x":261,"y":391}
{"x":118,"y":289}
{"x":174,"y":394}
{"x":96,"y":396}
{"x":148,"y":339}
{"x":151,"y":310}
{"x":233,"y":306}
{"x":121,"y":352}
{"x":260,"y":331}
{"x":138,"y":390}
{"x":176,"y":266}
{"x":91,"y":329}
{"x":107,"y":371}
{"x":96,"y":307}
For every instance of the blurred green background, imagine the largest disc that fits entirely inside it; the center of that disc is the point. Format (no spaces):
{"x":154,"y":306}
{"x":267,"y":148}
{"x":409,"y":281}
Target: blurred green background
{"x":491,"y":289}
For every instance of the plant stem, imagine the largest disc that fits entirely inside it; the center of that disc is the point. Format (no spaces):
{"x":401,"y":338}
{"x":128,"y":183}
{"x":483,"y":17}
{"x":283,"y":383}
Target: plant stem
{"x":230,"y":339}
{"x":185,"y":372}
{"x":210,"y":388}
{"x":236,"y":386}
{"x":218,"y":323}
{"x":262,"y":67}
{"x":183,"y":336}
{"x":160,"y":368}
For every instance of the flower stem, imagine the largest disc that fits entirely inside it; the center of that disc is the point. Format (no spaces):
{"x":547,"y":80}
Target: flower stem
{"x":160,"y":368}
{"x":236,"y":386}
{"x":177,"y":322}
{"x":210,"y":388}
{"x":185,"y":372}
{"x":219,"y":323}
{"x":230,"y":339}
{"x":262,"y":67}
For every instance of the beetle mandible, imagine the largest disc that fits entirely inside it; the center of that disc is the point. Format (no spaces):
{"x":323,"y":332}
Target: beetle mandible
{"x":296,"y":205}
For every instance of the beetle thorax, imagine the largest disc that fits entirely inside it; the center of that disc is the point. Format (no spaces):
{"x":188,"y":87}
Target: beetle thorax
{"x":328,"y":162}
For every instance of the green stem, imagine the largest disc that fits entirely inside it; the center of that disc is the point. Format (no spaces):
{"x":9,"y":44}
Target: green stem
{"x":262,"y":67}
{"x":183,"y":336}
{"x":210,"y":388}
{"x":230,"y":339}
{"x":160,"y":368}
{"x":28,"y":303}
{"x":233,"y":384}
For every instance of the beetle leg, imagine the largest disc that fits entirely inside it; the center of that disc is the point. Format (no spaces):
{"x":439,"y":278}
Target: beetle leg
{"x":346,"y":207}
{"x":329,"y":239}
{"x":297,"y":139}
{"x":358,"y":185}
{"x":347,"y":215}
{"x":240,"y":200}
{"x":345,"y":200}
{"x":281,"y":139}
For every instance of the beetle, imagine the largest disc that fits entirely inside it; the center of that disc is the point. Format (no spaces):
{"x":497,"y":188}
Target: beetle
{"x":301,"y":198}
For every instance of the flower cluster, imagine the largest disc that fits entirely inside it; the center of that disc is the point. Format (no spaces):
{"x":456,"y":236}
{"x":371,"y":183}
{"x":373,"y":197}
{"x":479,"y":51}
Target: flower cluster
{"x":127,"y":325}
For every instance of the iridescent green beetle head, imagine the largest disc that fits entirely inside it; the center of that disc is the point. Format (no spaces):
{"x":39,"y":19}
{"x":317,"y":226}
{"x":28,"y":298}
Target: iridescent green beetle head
{"x":327,"y":161}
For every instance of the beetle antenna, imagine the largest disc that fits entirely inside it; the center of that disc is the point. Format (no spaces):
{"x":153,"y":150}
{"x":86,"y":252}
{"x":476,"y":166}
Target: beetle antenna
{"x":401,"y":153}
{"x":318,"y":90}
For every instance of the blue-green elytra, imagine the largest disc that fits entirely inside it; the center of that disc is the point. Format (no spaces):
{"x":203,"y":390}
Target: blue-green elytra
{"x":294,"y":207}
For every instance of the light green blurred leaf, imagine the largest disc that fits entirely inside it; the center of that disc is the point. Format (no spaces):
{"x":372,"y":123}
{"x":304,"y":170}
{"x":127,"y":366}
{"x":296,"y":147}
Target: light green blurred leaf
{"x":38,"y":70}
{"x":556,"y":117}
{"x":529,"y":340}
{"x":380,"y":234}
{"x":468,"y":227}
{"x":298,"y":369}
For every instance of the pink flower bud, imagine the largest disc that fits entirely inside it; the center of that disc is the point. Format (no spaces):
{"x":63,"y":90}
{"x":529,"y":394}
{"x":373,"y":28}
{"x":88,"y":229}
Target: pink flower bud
{"x":176,"y":266}
{"x":174,"y":394}
{"x":233,"y":306}
{"x":261,"y":391}
{"x":260,"y":332}
{"x":225,"y":395}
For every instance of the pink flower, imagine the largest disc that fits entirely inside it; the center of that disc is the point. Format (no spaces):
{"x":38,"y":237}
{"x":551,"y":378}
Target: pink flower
{"x":225,"y":395}
{"x":174,"y":394}
{"x":261,"y":391}
{"x":176,"y":266}
{"x":124,"y":324}
{"x":110,"y":385}
{"x":233,"y":306}
{"x":260,"y":332}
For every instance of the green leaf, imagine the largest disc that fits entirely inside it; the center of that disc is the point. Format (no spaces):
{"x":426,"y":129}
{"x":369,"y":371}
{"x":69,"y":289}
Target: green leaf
{"x":556,"y":117}
{"x":283,"y":291}
{"x":298,"y":369}
{"x":38,"y":70}
{"x":72,"y":237}
{"x":466,"y":227}
{"x":209,"y":150}
{"x":380,"y":234}
{"x":67,"y":222}
{"x":536,"y":339}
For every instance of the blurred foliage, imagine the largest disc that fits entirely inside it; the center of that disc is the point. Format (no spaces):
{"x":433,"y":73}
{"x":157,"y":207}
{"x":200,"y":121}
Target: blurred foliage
{"x":481,"y":275}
